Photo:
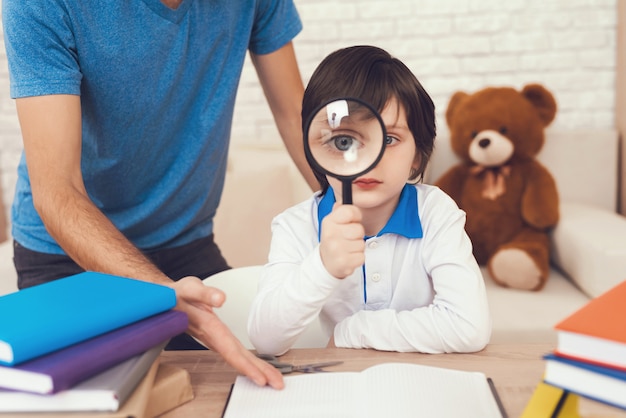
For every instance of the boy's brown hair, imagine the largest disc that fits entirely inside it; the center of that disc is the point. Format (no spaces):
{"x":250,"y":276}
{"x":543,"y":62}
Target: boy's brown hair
{"x":371,"y":74}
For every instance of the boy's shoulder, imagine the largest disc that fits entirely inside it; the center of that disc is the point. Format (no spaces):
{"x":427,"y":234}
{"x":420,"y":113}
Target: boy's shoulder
{"x":428,"y":194}
{"x":429,"y":190}
{"x":305,"y":210}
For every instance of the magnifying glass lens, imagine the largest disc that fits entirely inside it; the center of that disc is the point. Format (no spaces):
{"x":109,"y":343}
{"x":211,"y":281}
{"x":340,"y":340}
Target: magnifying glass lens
{"x":345,"y":137}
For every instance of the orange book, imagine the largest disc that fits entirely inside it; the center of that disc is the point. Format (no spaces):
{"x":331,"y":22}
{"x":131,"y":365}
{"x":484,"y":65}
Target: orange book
{"x":596,"y":333}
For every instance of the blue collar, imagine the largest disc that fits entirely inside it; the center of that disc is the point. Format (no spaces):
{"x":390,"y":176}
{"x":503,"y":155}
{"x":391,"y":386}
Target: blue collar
{"x":405,"y":219}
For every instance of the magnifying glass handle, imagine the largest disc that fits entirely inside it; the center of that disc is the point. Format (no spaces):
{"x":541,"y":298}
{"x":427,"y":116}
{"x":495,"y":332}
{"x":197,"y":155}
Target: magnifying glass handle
{"x":346,"y":192}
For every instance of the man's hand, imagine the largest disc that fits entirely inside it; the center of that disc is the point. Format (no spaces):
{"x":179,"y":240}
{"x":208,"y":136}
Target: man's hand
{"x":342,"y":246}
{"x":198,"y":301}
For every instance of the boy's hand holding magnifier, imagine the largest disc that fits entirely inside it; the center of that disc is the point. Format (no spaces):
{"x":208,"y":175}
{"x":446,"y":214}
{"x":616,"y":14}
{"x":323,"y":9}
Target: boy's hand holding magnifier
{"x":345,"y":139}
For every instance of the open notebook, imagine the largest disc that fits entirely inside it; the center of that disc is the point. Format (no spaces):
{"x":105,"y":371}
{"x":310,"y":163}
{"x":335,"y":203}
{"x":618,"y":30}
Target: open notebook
{"x":386,"y":390}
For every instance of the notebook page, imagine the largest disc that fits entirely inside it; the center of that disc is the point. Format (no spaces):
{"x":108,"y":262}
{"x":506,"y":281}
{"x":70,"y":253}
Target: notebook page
{"x":398,"y":390}
{"x":409,"y":390}
{"x":328,"y":395}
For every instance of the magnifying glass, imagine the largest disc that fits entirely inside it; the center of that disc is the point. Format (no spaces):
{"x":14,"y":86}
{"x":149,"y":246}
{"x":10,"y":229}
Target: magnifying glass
{"x":345,"y":138}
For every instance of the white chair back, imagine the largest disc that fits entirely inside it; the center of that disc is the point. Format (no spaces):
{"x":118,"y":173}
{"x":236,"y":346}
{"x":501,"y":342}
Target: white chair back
{"x":240,"y":285}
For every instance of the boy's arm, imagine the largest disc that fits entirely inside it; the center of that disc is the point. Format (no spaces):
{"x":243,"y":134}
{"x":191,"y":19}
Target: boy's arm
{"x":445,"y":326}
{"x":293,"y":286}
{"x":457,"y":320}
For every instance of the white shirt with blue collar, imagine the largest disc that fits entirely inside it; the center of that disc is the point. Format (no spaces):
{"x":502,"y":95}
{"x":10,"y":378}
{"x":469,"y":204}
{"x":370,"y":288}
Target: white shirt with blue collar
{"x":419,"y":290}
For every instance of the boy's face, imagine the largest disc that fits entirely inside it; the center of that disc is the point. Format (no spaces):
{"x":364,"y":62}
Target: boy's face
{"x":380,"y":188}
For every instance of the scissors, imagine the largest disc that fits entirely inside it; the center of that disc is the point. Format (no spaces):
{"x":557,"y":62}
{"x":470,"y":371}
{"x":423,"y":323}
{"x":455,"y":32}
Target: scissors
{"x":286,"y":368}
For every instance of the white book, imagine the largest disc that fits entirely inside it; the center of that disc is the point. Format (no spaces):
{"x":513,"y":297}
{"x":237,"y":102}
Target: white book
{"x":396,"y":390}
{"x":106,"y":391}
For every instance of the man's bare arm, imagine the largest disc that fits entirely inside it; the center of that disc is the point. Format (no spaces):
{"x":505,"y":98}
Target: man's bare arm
{"x":51,"y":130}
{"x":283,"y":88}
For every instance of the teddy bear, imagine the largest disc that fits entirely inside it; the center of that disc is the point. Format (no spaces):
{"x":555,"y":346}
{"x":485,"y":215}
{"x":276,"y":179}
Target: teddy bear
{"x":510,"y":199}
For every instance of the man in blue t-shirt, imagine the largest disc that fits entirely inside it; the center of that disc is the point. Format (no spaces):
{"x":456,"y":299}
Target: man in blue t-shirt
{"x":126,"y":110}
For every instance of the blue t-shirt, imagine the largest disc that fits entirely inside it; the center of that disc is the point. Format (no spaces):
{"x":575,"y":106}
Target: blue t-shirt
{"x":157,"y":91}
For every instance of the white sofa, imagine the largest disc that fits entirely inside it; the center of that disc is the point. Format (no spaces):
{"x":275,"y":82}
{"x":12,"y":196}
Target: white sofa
{"x":589,"y":253}
{"x":589,"y":243}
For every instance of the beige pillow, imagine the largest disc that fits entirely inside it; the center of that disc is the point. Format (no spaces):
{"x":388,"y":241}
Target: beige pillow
{"x":590,"y":246}
{"x":258,"y":187}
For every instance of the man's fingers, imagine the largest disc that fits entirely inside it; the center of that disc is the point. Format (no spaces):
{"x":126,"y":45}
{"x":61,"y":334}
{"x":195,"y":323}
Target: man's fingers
{"x":271,"y":375}
{"x":245,"y":362}
{"x":205,"y":325}
{"x":192,"y":290}
{"x":259,"y":371}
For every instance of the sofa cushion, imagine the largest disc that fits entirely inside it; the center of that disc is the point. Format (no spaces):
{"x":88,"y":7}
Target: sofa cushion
{"x":260,"y":183}
{"x":529,"y":317}
{"x":590,"y":247}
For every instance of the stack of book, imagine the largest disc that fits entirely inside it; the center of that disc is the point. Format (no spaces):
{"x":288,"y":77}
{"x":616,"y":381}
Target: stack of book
{"x":88,"y":342}
{"x":590,"y":358}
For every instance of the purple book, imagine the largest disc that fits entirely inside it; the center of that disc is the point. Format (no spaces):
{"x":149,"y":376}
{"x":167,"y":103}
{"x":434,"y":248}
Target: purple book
{"x":65,"y":368}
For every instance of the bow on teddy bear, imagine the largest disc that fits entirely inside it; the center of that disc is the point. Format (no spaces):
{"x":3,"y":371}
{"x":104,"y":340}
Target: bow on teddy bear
{"x":511,"y":200}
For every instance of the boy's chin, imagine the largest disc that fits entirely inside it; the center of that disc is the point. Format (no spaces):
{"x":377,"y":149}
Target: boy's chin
{"x":366,"y":200}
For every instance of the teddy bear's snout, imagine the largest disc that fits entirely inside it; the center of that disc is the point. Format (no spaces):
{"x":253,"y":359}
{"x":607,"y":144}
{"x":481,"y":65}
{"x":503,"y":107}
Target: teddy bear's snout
{"x":490,"y":148}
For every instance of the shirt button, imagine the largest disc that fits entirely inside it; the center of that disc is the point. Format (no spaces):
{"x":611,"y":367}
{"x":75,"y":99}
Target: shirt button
{"x":373,"y":244}
{"x":375,"y":277}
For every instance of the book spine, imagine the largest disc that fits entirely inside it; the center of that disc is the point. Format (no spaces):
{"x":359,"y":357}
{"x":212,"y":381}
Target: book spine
{"x":76,"y":363}
{"x":138,"y":372}
{"x":589,"y":361}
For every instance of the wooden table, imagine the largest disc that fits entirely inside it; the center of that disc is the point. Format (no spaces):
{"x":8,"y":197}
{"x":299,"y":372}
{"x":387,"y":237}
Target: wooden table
{"x":515,"y":368}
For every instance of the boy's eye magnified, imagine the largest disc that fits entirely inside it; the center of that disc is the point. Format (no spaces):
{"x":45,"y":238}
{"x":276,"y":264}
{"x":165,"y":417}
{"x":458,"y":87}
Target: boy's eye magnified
{"x":343,"y":142}
{"x":345,"y":146}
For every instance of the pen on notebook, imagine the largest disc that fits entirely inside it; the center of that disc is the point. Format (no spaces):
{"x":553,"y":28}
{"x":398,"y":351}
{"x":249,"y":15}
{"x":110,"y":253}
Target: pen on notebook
{"x":492,"y":386}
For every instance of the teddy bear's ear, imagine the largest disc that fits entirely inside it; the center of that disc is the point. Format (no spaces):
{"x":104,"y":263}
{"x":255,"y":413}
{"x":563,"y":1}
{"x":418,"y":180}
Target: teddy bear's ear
{"x":457,"y":98}
{"x":542,"y":100}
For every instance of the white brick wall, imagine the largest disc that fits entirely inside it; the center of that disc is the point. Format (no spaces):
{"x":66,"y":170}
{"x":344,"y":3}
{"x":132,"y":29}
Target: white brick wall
{"x":567,"y":45}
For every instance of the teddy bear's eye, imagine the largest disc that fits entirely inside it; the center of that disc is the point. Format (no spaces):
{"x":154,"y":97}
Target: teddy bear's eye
{"x":474,"y":133}
{"x":503,"y":130}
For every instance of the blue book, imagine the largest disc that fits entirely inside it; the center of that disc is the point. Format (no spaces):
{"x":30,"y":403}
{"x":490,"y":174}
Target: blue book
{"x":603,"y":384}
{"x":45,"y":318}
